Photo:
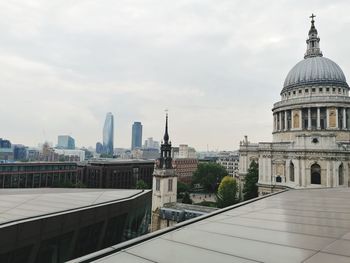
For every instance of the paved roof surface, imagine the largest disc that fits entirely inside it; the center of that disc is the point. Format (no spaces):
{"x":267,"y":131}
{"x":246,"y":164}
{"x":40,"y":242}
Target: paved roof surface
{"x":16,"y":204}
{"x":295,"y":226}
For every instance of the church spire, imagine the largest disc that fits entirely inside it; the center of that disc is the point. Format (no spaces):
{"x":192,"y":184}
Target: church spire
{"x":313,"y":42}
{"x":166,"y":135}
{"x":165,"y":160}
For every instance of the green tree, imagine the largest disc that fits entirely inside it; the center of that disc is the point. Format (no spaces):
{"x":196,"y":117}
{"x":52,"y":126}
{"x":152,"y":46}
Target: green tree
{"x":141,"y":184}
{"x":187,"y":199}
{"x":182,"y":187}
{"x":227,"y":192}
{"x":209,"y":175}
{"x":250,"y":188}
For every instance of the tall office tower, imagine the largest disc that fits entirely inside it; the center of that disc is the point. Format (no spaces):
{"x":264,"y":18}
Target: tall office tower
{"x":99,"y":147}
{"x":108,"y":131}
{"x":136,"y":137}
{"x":65,"y":142}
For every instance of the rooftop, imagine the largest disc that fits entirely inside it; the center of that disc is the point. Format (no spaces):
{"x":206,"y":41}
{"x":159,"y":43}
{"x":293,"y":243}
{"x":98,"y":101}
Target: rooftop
{"x":294,"y":226}
{"x":20,"y":204}
{"x":190,"y":207}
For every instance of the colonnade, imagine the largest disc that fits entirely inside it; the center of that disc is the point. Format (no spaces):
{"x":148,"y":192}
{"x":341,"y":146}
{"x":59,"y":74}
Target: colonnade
{"x":312,"y":118}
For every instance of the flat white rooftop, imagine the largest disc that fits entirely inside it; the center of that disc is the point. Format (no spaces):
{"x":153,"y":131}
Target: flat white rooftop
{"x":311,"y":226}
{"x":17,"y":204}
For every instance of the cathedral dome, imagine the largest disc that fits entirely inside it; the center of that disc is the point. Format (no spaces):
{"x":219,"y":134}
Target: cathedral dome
{"x":315,"y":70}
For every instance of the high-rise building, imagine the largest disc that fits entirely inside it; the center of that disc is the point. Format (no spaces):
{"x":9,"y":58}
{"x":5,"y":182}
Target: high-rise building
{"x":65,"y":142}
{"x":136,"y":136}
{"x":99,"y":147}
{"x":108,"y":131}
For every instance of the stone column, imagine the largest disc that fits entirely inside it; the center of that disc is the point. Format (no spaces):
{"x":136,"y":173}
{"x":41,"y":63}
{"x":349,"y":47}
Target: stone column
{"x":327,"y":118}
{"x":280,"y":120}
{"x":328,"y":174}
{"x":344,"y":119}
{"x":287,"y":171}
{"x":318,"y":118}
{"x":309,"y":118}
{"x":285,"y":120}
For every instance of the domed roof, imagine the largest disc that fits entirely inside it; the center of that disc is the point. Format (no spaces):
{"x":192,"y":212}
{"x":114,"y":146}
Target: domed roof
{"x":315,"y":71}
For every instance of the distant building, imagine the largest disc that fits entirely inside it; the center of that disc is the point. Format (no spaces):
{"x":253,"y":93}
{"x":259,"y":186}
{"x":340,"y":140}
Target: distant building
{"x":136,"y":136}
{"x":184,"y":169}
{"x":183,"y":151}
{"x":37,"y":174}
{"x":20,"y":152}
{"x":6,"y":150}
{"x":108,"y":134}
{"x":145,"y":153}
{"x":229,"y":160}
{"x":70,"y":155}
{"x":150,"y":143}
{"x":65,"y":142}
{"x":114,"y":173}
{"x":99,"y":147}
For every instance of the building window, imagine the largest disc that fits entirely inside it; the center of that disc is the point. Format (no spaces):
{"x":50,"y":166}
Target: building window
{"x":300,"y":91}
{"x":327,"y":89}
{"x":157,"y":184}
{"x":333,"y":89}
{"x":313,"y":90}
{"x":170,"y":185}
{"x":294,"y":92}
{"x":320,"y":89}
{"x":278,"y":179}
{"x":306,"y":90}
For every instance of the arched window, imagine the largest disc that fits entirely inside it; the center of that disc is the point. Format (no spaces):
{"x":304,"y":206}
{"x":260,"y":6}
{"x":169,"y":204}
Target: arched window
{"x":278,"y":179}
{"x":341,"y":174}
{"x":315,"y":174}
{"x":291,"y":172}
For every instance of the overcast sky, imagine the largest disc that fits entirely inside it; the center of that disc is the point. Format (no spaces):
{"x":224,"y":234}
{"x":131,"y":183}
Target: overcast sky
{"x":217,"y":65}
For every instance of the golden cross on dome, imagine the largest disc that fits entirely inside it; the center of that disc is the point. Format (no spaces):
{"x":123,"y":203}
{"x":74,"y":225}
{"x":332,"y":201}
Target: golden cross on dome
{"x":312,"y":17}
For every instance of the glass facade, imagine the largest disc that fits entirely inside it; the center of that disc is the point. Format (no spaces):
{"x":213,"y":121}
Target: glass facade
{"x":108,"y":131}
{"x":136,"y":138}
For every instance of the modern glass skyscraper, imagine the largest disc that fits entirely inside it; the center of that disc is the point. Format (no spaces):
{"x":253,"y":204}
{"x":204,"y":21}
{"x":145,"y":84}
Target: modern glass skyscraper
{"x":65,"y":142}
{"x":108,"y":131}
{"x":136,"y":137}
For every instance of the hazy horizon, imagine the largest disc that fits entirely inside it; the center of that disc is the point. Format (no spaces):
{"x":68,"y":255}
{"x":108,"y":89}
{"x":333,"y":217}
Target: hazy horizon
{"x":217,"y":66}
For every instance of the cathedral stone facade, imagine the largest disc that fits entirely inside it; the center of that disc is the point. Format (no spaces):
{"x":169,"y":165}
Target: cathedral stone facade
{"x":311,"y":128}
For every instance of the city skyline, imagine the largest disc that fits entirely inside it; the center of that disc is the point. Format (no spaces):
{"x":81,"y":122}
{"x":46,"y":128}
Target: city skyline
{"x":209,"y":63}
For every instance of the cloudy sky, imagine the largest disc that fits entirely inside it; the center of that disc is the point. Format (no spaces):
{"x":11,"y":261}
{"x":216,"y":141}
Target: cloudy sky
{"x":218,"y":66}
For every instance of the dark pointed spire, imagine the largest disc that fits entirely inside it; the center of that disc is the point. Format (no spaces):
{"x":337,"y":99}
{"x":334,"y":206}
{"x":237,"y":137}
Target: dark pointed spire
{"x":166,"y":135}
{"x":313,"y":42}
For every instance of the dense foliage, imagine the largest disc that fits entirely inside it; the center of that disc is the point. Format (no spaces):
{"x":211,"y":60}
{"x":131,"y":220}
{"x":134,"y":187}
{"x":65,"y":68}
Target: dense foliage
{"x":250,"y":189}
{"x":187,"y":199}
{"x":227,"y":192}
{"x":209,"y":175}
{"x":141,"y":184}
